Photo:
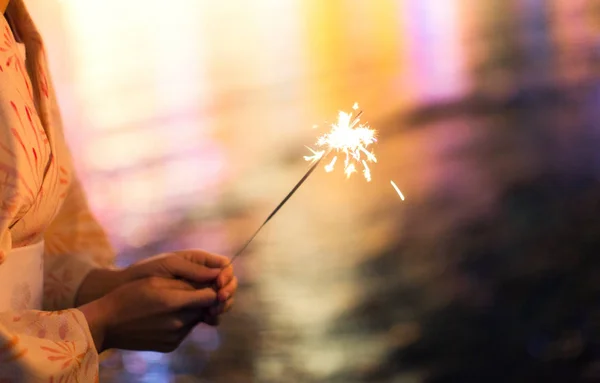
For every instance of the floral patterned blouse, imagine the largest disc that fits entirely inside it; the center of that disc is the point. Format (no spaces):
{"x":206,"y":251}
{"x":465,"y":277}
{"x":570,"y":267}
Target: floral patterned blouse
{"x":41,"y":200}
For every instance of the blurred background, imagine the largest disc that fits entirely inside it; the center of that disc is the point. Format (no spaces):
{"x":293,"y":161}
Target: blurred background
{"x":189,"y":120}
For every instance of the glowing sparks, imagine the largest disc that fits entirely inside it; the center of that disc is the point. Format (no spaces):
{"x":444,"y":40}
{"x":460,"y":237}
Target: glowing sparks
{"x":366,"y":171}
{"x":316,"y":155}
{"x":350,"y":139}
{"x":329,"y":167}
{"x":397,"y":190}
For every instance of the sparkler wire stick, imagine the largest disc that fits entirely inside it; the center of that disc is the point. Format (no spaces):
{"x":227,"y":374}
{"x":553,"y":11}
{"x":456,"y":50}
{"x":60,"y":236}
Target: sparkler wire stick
{"x":289,"y":195}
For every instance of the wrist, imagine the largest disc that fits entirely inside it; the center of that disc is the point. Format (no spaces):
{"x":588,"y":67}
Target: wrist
{"x":97,"y":314}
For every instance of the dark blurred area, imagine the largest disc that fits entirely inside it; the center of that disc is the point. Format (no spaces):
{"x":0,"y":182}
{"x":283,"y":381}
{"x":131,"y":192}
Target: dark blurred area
{"x":488,"y":117}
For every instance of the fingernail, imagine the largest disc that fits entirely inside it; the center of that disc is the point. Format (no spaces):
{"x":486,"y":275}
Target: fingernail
{"x":225,"y":296}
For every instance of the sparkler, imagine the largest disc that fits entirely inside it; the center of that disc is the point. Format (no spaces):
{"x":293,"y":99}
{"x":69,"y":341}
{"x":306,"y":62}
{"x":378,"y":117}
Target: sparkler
{"x":347,"y":137}
{"x":350,"y":139}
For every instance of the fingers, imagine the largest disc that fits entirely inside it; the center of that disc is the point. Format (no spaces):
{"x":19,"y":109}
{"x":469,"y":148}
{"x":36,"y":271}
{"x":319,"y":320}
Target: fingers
{"x":184,"y":321}
{"x":216,"y":302}
{"x":221,"y":308}
{"x":167,"y":283}
{"x":201,"y":298}
{"x":229,"y":290}
{"x":225,"y":277}
{"x":178,"y":294}
{"x":214,"y":313}
{"x":204,"y":258}
{"x":180,"y":267}
{"x":212,"y":320}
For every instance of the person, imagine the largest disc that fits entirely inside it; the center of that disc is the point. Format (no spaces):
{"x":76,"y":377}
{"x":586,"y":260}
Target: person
{"x":61,"y":300}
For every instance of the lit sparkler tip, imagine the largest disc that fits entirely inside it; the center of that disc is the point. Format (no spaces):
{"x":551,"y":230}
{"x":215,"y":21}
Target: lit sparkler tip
{"x":397,"y":190}
{"x":355,"y":106}
{"x":350,"y":138}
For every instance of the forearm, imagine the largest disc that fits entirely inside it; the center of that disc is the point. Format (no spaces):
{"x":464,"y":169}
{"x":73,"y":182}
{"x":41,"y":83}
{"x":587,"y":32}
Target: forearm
{"x":97,"y":284}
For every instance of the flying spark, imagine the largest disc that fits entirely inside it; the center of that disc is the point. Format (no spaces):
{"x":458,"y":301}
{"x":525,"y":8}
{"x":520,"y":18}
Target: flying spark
{"x":397,"y":190}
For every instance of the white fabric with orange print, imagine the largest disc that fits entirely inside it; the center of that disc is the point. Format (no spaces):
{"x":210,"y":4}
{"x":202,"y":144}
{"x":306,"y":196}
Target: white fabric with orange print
{"x":23,"y":291}
{"x":41,"y":200}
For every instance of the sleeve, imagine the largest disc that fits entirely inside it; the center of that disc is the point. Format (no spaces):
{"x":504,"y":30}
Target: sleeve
{"x":42,"y":346}
{"x":75,"y":244}
{"x":48,"y":346}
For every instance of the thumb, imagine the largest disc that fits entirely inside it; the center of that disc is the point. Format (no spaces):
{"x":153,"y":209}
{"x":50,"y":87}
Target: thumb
{"x":181,"y":268}
{"x":205,"y":258}
{"x":200,"y":298}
